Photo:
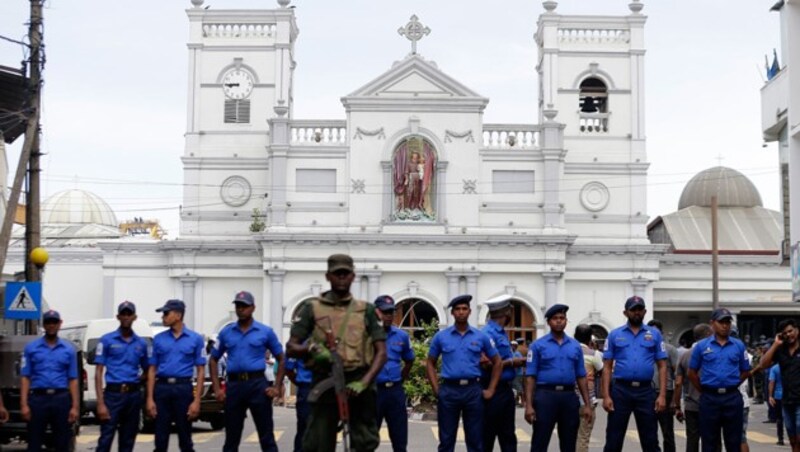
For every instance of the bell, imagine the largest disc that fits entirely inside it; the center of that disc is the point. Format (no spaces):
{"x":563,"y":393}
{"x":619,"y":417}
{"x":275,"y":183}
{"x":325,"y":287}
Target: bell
{"x":588,"y":105}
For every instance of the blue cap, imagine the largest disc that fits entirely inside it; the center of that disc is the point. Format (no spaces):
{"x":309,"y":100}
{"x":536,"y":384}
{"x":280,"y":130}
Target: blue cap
{"x":126,"y":306}
{"x":498,"y":303}
{"x":244,"y":297}
{"x":385,"y":303}
{"x":634,"y":302}
{"x":461,"y":299}
{"x":51,"y":315}
{"x":721,"y":314}
{"x":172,"y":305}
{"x":556,"y":309}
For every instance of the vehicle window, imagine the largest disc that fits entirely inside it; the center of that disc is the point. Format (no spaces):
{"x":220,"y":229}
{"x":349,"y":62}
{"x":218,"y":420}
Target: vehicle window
{"x":91,"y":350}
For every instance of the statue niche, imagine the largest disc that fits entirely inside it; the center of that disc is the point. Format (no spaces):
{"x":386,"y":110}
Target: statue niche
{"x":413,"y":177}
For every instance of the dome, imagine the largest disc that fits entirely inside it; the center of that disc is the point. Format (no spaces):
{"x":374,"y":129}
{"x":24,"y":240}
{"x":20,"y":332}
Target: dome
{"x":732,"y":188}
{"x":77,"y":207}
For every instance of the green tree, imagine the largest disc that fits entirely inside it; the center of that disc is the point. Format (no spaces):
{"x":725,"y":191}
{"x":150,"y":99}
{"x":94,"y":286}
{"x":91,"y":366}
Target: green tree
{"x":417,"y":387}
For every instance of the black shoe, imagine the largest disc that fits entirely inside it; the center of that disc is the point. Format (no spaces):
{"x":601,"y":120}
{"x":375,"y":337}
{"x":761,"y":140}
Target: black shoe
{"x":780,"y":443}
{"x":768,"y":421}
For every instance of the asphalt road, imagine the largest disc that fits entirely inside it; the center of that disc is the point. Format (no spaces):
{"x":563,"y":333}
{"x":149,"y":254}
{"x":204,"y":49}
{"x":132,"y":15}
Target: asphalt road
{"x":422,"y":435}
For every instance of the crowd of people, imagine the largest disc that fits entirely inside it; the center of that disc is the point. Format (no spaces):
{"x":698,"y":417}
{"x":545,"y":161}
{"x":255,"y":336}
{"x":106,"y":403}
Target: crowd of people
{"x":349,"y":363}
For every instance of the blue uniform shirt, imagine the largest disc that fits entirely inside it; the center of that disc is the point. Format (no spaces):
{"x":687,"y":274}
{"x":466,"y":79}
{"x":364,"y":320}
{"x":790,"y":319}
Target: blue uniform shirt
{"x":552,"y":363}
{"x":246,"y":350}
{"x":775,"y":375}
{"x":398,"y":349}
{"x":503,"y":346}
{"x":122,"y":359}
{"x":302,"y":375}
{"x":49,"y":367}
{"x":634,"y":355}
{"x":719,"y":366}
{"x":177,"y":357}
{"x":461,"y":354}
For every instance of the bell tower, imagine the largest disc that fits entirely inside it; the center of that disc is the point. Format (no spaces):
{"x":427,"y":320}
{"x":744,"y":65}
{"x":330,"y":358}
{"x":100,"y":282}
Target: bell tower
{"x":591,"y":71}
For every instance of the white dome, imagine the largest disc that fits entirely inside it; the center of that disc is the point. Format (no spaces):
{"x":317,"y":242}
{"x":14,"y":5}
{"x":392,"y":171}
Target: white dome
{"x":77,"y":207}
{"x":732,"y":188}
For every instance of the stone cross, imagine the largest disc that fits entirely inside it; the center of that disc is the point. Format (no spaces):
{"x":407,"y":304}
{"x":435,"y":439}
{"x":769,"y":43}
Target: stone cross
{"x":414,"y":31}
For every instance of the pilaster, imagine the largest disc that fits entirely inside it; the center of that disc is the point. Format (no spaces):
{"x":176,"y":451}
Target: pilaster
{"x":193,"y":306}
{"x":275,"y":319}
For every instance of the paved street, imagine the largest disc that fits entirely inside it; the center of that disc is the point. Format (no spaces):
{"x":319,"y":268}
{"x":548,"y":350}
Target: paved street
{"x":422,"y":435}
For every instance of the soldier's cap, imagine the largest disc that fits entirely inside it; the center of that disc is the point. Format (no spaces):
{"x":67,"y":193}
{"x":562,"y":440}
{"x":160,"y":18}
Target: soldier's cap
{"x":460,"y":299}
{"x":385,"y":303}
{"x":633,"y":302}
{"x":126,"y":306}
{"x":340,"y":262}
{"x":721,"y":314}
{"x":244,"y":297}
{"x":498,"y":303}
{"x":556,"y":309}
{"x":51,"y":315}
{"x":172,"y":305}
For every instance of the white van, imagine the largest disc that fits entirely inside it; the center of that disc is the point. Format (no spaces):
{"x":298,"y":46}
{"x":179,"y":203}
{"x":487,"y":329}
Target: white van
{"x":86,"y":335}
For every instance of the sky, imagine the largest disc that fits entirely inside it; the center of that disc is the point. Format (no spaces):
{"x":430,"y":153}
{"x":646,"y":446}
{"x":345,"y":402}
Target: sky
{"x":114,"y":105}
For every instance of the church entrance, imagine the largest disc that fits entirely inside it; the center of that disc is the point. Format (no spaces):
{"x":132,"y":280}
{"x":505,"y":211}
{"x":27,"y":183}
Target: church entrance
{"x":523,"y":324}
{"x":412,"y":313}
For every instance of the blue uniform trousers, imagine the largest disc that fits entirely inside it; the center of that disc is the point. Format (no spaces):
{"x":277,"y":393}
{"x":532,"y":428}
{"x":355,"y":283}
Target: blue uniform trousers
{"x":124,"y":409}
{"x":172,"y":404}
{"x":455,"y":401}
{"x":52,"y":409}
{"x":721,"y":411}
{"x":241,"y":395}
{"x":499,"y":414}
{"x":641,"y":402}
{"x":302,"y":411}
{"x":392,"y":407}
{"x":555,"y":407}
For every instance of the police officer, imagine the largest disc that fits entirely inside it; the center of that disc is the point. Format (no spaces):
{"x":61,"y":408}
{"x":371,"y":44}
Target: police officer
{"x":122,"y":357}
{"x":717,"y":367}
{"x":360,"y":342}
{"x":178,"y":353}
{"x":499,"y":411}
{"x":460,"y":347}
{"x":632,"y":350}
{"x":49,"y":386}
{"x":246,"y":343}
{"x":301,"y":377}
{"x":555,"y":366}
{"x":399,"y":359}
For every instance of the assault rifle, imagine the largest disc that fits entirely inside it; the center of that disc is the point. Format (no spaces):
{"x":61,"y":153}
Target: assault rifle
{"x":337,"y":382}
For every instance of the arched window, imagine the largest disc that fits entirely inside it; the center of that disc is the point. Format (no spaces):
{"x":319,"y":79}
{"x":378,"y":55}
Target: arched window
{"x":414,"y":181}
{"x":411,"y":313}
{"x":593,"y":104}
{"x":523,"y":324}
{"x":599,"y":335}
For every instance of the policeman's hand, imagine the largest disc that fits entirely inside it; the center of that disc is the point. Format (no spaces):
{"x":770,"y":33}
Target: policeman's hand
{"x":194,"y":410}
{"x":25,"y":411}
{"x":151,"y":409}
{"x":102,"y":412}
{"x":608,"y":404}
{"x":73,"y":415}
{"x":484,"y":362}
{"x":274,"y":391}
{"x":488,"y":394}
{"x":219,"y":395}
{"x":772,"y":402}
{"x":587,"y":412}
{"x":355,"y":388}
{"x":3,"y":415}
{"x":530,"y":415}
{"x":661,"y":404}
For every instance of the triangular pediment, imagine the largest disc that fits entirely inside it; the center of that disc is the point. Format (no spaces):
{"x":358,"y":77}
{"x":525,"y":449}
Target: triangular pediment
{"x":414,"y":78}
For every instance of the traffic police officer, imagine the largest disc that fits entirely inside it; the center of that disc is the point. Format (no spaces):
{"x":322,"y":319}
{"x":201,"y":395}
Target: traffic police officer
{"x":460,"y":347}
{"x":49,"y":386}
{"x":717,"y":367}
{"x":499,"y":411}
{"x":246,"y":343}
{"x":123,"y":358}
{"x":632,"y":350}
{"x":178,"y":353}
{"x":301,"y":377}
{"x":555,"y":366}
{"x":391,"y":395}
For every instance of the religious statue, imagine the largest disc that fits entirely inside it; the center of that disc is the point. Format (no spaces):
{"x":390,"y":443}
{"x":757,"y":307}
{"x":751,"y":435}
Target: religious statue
{"x":413,"y":177}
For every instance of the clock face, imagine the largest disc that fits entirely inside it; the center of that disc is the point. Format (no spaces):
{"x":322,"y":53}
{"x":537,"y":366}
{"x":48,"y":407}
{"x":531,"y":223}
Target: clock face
{"x":237,"y":84}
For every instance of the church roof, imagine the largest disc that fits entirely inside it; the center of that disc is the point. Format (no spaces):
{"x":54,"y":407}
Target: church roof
{"x":77,"y":207}
{"x":732,"y":188}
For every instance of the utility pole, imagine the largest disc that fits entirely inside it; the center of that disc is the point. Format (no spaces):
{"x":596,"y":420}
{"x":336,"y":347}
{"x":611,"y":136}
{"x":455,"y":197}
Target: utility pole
{"x":714,"y":254}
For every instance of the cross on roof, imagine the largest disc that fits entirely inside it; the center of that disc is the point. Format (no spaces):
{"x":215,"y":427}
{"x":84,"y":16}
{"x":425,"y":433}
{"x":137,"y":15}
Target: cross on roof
{"x":719,"y":158}
{"x":414,"y":30}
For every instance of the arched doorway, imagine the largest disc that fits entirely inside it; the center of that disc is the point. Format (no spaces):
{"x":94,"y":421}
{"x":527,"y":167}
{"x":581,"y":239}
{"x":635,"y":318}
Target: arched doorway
{"x":523,"y":323}
{"x":599,"y":335}
{"x":412,"y":313}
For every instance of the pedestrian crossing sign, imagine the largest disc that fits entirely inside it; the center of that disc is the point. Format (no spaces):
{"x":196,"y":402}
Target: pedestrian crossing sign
{"x":23,"y":300}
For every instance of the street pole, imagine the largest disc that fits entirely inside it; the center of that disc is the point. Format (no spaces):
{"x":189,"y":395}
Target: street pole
{"x":714,"y":255}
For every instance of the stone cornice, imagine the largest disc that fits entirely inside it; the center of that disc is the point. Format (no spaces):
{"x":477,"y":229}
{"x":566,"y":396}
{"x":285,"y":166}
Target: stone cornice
{"x":412,"y":104}
{"x":226,"y":163}
{"x":607,"y":249}
{"x":724,"y":260}
{"x":269,"y":239}
{"x":605,"y":168}
{"x":191,"y":245}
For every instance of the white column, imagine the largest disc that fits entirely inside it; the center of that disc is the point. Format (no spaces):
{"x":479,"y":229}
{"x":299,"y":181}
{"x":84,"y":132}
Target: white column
{"x":552,"y":135}
{"x":639,"y":287}
{"x":441,"y":191}
{"x":276,"y":277}
{"x":278,"y":151}
{"x":373,"y":284}
{"x":388,"y":191}
{"x":452,"y":291}
{"x":551,"y":288}
{"x":193,"y":307}
{"x":472,"y":289}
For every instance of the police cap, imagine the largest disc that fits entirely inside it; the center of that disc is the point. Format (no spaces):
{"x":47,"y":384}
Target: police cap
{"x":244,"y":297}
{"x":126,"y":306}
{"x":721,"y":314}
{"x":634,"y":302}
{"x":460,"y":299}
{"x":51,"y":315}
{"x":498,"y":303}
{"x":172,"y":305}
{"x":556,"y":309}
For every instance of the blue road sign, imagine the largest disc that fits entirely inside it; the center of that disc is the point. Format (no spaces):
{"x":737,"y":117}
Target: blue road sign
{"x":23,"y":300}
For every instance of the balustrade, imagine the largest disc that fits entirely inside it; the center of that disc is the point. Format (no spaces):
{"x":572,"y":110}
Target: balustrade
{"x":238,"y":31}
{"x":318,"y":133}
{"x":593,"y":123}
{"x":510,"y":136}
{"x":594,"y":35}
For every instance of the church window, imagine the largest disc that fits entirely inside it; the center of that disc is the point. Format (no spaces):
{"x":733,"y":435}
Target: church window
{"x":414,"y":180}
{"x":412,"y":314}
{"x":523,"y":323}
{"x":314,"y":180}
{"x":237,"y":111}
{"x":512,"y":181}
{"x":593,"y":104}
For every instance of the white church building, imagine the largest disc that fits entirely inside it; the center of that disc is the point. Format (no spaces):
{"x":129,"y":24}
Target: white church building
{"x":429,"y":200}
